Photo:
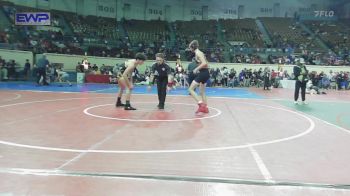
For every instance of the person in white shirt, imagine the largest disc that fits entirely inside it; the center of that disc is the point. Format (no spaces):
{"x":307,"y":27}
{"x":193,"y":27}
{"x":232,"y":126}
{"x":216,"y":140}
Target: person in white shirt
{"x":62,"y":76}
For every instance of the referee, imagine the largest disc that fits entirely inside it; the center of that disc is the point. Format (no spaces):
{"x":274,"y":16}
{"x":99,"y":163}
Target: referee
{"x":42,"y":64}
{"x":301,"y":76}
{"x":161,"y":72}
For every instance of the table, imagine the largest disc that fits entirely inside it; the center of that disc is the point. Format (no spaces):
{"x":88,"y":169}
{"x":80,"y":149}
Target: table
{"x":290,"y":84}
{"x":97,"y":78}
{"x":80,"y":78}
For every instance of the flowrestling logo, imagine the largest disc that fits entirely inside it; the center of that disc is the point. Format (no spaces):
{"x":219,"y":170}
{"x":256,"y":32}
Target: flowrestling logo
{"x":327,"y":14}
{"x":33,"y":18}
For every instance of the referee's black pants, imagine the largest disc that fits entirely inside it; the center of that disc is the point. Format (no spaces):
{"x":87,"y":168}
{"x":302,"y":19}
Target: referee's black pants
{"x":299,"y":85}
{"x":41,"y":73}
{"x":162,"y":83}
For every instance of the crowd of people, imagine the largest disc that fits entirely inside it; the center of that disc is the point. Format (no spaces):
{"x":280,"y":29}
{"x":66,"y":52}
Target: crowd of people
{"x":246,"y":58}
{"x":9,"y":70}
{"x":225,"y":77}
{"x":219,"y":77}
{"x":98,"y":36}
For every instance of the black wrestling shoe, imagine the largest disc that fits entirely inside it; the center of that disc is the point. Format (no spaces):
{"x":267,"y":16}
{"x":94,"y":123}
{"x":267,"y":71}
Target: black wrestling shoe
{"x":119,"y":104}
{"x":160,"y":106}
{"x":129,"y":108}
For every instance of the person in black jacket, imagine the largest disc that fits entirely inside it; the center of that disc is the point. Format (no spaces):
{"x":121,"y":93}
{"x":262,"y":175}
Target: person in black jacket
{"x":267,"y":78}
{"x":26,"y":70}
{"x":161,"y":72}
{"x":42,"y":64}
{"x":301,"y":76}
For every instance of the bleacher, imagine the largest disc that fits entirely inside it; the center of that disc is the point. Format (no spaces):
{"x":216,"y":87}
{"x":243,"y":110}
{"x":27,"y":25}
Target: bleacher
{"x":334,"y":34}
{"x":286,"y":32}
{"x":203,"y":31}
{"x":243,"y":30}
{"x":100,"y":36}
{"x":93,"y":27}
{"x":149,"y":31}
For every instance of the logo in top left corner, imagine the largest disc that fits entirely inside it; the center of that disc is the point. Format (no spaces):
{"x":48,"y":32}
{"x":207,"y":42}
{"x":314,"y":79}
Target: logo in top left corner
{"x":33,"y":18}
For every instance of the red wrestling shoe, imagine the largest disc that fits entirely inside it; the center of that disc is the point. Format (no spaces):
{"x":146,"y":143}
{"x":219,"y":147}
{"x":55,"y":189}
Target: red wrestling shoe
{"x":205,"y":110}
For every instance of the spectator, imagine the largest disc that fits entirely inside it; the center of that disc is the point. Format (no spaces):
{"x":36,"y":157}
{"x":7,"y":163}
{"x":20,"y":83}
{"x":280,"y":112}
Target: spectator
{"x":12,"y":73}
{"x":79,"y":68}
{"x":62,"y":76}
{"x":26,"y":70}
{"x":3,"y":71}
{"x":267,"y":78}
{"x":225,"y":74}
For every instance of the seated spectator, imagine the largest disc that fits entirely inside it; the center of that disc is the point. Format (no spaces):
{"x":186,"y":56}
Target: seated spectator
{"x":79,"y":68}
{"x":325,"y":82}
{"x":62,"y":76}
{"x":311,"y":89}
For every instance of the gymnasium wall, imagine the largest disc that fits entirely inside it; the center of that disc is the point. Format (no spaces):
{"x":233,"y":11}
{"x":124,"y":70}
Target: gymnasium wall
{"x":17,"y":55}
{"x":347,"y":10}
{"x":70,"y":62}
